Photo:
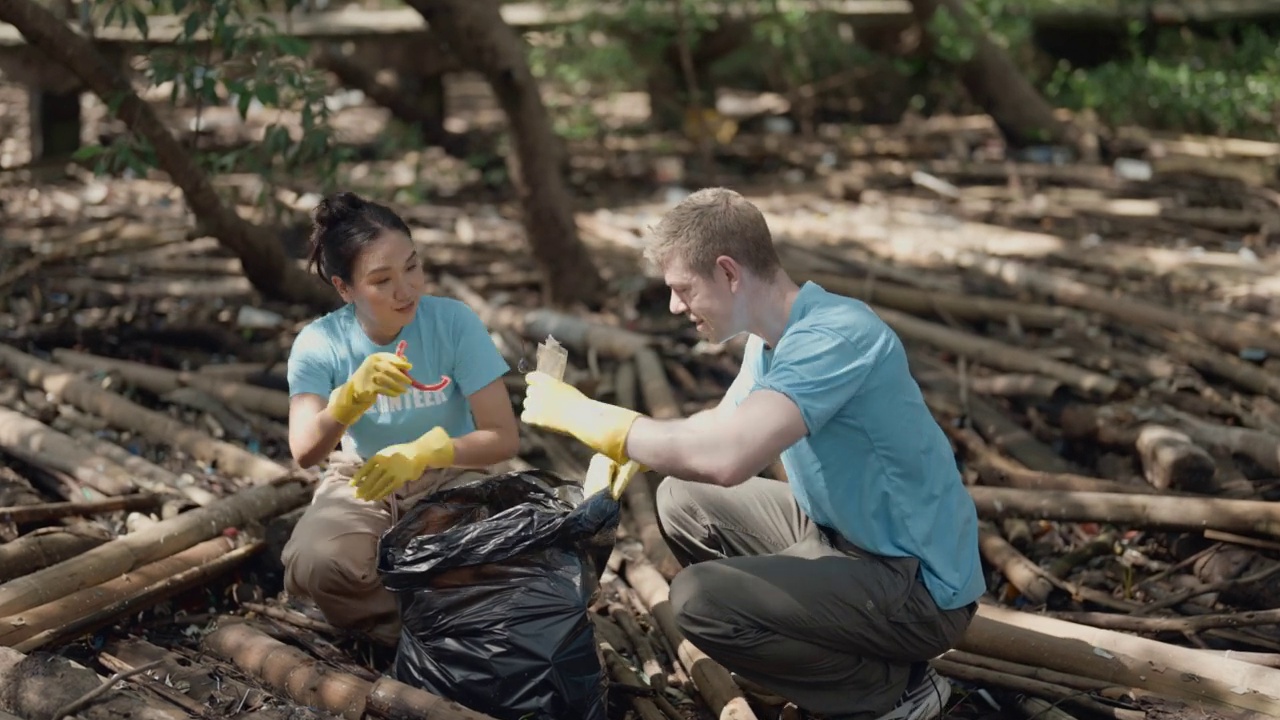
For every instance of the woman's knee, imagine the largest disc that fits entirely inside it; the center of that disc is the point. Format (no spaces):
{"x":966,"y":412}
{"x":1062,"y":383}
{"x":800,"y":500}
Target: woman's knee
{"x":332,"y":566}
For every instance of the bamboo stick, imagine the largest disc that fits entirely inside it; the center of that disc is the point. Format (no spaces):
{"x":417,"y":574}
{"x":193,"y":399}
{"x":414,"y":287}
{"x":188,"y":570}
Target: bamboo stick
{"x":159,"y":380}
{"x":115,"y":409}
{"x":158,"y":541}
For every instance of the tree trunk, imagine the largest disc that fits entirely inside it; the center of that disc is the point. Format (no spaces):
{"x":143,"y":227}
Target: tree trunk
{"x":995,"y":83}
{"x":261,"y":254}
{"x":486,"y":44}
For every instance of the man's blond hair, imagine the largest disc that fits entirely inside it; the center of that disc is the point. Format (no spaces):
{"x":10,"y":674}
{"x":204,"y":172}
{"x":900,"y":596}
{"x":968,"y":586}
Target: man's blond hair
{"x":713,"y":222}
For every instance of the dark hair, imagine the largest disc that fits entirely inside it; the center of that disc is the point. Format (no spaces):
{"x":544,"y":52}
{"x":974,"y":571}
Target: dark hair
{"x":343,"y":224}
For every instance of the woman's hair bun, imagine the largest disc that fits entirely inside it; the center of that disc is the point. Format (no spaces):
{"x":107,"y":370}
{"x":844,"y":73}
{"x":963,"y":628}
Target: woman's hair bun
{"x":337,"y":208}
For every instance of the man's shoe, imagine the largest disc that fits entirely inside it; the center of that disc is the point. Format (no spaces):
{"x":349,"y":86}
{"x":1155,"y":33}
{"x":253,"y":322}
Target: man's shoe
{"x":923,"y":701}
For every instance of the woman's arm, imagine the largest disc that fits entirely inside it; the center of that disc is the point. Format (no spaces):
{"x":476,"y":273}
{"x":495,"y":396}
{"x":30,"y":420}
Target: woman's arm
{"x":313,"y":433}
{"x":496,"y":437}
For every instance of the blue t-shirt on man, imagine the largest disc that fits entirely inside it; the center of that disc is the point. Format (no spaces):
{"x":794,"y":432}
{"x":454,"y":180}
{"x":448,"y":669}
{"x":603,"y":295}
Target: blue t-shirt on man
{"x":874,"y":466}
{"x":451,"y":353}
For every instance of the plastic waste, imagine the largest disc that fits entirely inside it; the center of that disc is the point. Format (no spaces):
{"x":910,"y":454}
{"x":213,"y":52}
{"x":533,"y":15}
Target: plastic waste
{"x":494,"y":580}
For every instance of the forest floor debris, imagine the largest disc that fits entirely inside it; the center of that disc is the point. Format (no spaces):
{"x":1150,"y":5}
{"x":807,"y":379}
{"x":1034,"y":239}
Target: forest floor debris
{"x":1099,"y":341}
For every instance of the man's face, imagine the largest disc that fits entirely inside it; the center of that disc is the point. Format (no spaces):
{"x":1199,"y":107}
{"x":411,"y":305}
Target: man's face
{"x":708,"y":301}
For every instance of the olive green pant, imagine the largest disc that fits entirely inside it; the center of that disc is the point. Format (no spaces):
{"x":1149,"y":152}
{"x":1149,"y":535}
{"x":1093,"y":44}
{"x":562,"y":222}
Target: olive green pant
{"x":332,"y":556}
{"x":792,"y":606}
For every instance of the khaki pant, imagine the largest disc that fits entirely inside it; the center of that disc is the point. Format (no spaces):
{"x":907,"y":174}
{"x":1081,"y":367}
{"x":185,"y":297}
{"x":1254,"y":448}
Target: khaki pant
{"x":331,"y":557}
{"x":794,"y":607}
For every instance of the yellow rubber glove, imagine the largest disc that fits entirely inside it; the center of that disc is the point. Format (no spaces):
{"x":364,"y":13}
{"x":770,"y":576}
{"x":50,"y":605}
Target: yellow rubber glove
{"x":380,"y":374}
{"x":603,"y":474}
{"x":393,"y":467}
{"x":556,"y":405}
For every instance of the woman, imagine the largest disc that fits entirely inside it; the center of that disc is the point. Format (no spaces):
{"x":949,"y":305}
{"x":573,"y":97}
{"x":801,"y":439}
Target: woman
{"x":407,"y":424}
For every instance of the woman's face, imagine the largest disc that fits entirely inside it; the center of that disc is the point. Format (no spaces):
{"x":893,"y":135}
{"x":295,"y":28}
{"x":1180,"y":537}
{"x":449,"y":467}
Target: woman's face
{"x":386,"y":282}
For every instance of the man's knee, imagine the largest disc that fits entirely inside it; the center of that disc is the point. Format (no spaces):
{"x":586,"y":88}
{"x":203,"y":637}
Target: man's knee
{"x":675,"y":505}
{"x":695,"y":602}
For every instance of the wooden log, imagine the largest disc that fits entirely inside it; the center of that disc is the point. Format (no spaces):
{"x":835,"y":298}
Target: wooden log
{"x":1039,"y":688}
{"x":1263,"y":448}
{"x":945,"y":391}
{"x":1194,"y":624}
{"x":660,"y":401}
{"x":1212,"y":361}
{"x":970,"y":308}
{"x":53,"y":511}
{"x":1000,"y":471}
{"x":219,"y":693}
{"x":102,"y":604}
{"x":27,"y":437}
{"x":1023,"y":574}
{"x":66,"y":387}
{"x":997,"y":354}
{"x":714,"y":683}
{"x":576,"y":333}
{"x":1171,"y":460}
{"x":1122,"y":659}
{"x":42,"y":548}
{"x":161,"y":540}
{"x":158,"y":380}
{"x":41,"y":685}
{"x":1017,"y":385}
{"x":1157,"y":512}
{"x":305,"y":680}
{"x":145,"y":474}
{"x":1235,"y":335}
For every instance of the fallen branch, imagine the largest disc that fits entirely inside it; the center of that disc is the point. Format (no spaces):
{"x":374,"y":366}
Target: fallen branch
{"x":1023,"y":574}
{"x":42,"y":548}
{"x":997,"y":354}
{"x":1148,"y":511}
{"x":41,"y":685}
{"x":83,"y":701}
{"x":306,"y":681}
{"x":121,"y":412}
{"x":161,"y":540}
{"x":660,"y":401}
{"x":1122,"y":659}
{"x":970,"y":308}
{"x":576,"y":333}
{"x":1127,"y":310}
{"x":1193,"y":624}
{"x":158,"y":380}
{"x":1038,"y":688}
{"x":102,"y":604}
{"x":53,"y":511}
{"x":26,"y":437}
{"x":218,"y":692}
{"x":714,"y":683}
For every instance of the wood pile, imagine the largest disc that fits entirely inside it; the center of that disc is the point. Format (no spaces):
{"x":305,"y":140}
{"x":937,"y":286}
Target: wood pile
{"x":1099,"y":343}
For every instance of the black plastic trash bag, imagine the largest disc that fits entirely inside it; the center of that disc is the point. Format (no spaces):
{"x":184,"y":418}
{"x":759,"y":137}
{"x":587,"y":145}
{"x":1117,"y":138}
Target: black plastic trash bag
{"x":494,"y":579}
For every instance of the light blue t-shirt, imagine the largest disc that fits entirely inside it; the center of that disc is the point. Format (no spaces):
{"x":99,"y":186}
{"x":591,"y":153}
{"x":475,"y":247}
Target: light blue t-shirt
{"x":874,"y":466}
{"x":451,"y":353}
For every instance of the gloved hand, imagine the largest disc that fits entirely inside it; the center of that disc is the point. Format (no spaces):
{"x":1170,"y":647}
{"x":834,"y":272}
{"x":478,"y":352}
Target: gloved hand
{"x":396,"y":465}
{"x":380,"y":374}
{"x":603,"y":474}
{"x":559,"y":406}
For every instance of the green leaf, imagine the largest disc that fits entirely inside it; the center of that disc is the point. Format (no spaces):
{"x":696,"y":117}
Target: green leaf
{"x":192,"y":24}
{"x":140,"y":20}
{"x":88,"y":152}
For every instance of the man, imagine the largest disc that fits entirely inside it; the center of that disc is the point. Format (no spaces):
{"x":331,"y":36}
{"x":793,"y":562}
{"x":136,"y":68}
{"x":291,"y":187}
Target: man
{"x":833,"y":589}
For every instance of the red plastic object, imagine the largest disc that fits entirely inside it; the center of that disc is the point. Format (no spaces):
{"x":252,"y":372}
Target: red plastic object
{"x":444,"y":381}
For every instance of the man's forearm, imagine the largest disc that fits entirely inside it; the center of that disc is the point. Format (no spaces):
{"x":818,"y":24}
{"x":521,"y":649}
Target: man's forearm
{"x":692,"y":448}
